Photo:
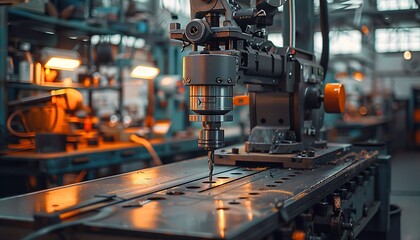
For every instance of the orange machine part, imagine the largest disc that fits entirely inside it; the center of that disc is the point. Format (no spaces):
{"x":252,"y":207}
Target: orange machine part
{"x":241,"y":100}
{"x":334,"y":98}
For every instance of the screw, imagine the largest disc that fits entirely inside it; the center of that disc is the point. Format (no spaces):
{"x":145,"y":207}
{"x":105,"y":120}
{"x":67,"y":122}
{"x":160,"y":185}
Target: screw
{"x":194,"y":30}
{"x":219,"y":80}
{"x":229,"y":80}
{"x":188,"y":80}
{"x":235,"y":150}
{"x":311,"y":153}
{"x":347,"y":226}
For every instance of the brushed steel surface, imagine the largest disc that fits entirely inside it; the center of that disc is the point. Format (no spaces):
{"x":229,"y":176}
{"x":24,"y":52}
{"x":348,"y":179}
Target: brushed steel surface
{"x":176,"y":200}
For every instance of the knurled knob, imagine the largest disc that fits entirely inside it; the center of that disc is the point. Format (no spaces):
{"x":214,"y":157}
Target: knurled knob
{"x":334,"y":98}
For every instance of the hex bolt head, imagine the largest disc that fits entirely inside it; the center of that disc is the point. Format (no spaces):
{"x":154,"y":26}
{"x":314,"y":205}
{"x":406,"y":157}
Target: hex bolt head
{"x":311,"y":153}
{"x":351,"y":185}
{"x":347,"y":226}
{"x":229,"y":80}
{"x":219,"y":80}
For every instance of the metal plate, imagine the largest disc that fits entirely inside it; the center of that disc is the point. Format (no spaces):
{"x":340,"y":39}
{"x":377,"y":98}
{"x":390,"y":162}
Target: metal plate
{"x":176,"y":201}
{"x":292,"y":160}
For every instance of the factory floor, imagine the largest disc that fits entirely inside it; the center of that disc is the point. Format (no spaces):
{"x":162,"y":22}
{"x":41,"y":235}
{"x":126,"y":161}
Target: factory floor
{"x":405,"y":191}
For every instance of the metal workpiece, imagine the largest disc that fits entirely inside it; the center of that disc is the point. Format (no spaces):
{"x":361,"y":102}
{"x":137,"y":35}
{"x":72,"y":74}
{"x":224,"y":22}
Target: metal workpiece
{"x":210,"y":69}
{"x":177,"y":201}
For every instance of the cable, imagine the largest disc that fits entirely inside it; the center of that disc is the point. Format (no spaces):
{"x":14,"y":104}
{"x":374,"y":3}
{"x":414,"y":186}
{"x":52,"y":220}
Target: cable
{"x":105,"y":212}
{"x":24,"y":122}
{"x":12,"y":131}
{"x":325,"y":29}
{"x":81,"y":176}
{"x":144,"y":142}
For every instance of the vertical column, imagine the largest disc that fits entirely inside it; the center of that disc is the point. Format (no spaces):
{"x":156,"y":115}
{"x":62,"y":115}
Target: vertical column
{"x":3,"y":74}
{"x":120,"y":65}
{"x":304,"y":18}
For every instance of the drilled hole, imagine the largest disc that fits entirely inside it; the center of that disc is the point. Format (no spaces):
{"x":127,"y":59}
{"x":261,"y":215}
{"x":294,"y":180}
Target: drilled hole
{"x":254,"y":193}
{"x":234,"y":203}
{"x":156,"y":198}
{"x":192,"y":187}
{"x":292,"y":175}
{"x":278,"y":181}
{"x":236,"y":173}
{"x":209,"y":182}
{"x":222,"y":208}
{"x":263,"y":120}
{"x":175,"y":193}
{"x":281,"y":121}
{"x":285,"y":178}
{"x":243,"y":197}
{"x":223,"y":177}
{"x":271,"y":185}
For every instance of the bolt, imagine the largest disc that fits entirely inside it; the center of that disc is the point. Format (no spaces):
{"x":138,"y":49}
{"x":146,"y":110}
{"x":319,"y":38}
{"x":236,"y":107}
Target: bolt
{"x":219,"y":80}
{"x":188,"y":80}
{"x":365,"y":211}
{"x":336,"y":201}
{"x":235,"y":150}
{"x":351,"y":185}
{"x":372,"y":170}
{"x":311,"y":153}
{"x":194,"y":30}
{"x":229,"y":80}
{"x":323,"y":209}
{"x":347,"y":226}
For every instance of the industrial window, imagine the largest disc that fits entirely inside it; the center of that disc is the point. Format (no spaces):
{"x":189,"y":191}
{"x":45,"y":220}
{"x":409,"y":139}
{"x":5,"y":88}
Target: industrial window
{"x":387,"y":5}
{"x":276,"y":38}
{"x":397,"y":39}
{"x":341,"y":42}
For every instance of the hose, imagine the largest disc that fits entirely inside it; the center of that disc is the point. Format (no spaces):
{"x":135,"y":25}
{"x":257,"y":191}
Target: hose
{"x":12,"y":131}
{"x":144,"y":142}
{"x":325,"y":29}
{"x":105,"y":212}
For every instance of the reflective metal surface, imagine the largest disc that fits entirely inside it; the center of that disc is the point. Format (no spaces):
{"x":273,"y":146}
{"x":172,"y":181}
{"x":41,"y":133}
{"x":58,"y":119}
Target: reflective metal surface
{"x":177,"y":200}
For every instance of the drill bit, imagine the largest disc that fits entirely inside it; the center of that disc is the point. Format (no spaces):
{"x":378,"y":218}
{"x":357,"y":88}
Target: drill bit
{"x":211,"y":163}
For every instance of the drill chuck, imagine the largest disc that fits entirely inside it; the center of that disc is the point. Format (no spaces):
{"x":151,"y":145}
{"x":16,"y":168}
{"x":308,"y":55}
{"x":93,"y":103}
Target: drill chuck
{"x":211,"y":78}
{"x":211,"y":137}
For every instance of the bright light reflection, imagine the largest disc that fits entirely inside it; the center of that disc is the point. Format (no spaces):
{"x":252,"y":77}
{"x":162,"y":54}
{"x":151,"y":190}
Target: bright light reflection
{"x":144,"y":72}
{"x":58,"y":199}
{"x":407,"y":55}
{"x":62,"y":63}
{"x":221,"y":218}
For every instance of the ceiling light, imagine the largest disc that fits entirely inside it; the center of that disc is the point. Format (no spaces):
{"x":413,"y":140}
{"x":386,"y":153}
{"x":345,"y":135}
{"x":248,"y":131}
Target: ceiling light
{"x":60,"y":59}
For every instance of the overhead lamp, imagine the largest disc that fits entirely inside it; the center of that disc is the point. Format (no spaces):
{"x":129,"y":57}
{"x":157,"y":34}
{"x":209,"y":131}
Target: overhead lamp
{"x":143,"y":65}
{"x":144,"y":72}
{"x":60,"y":59}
